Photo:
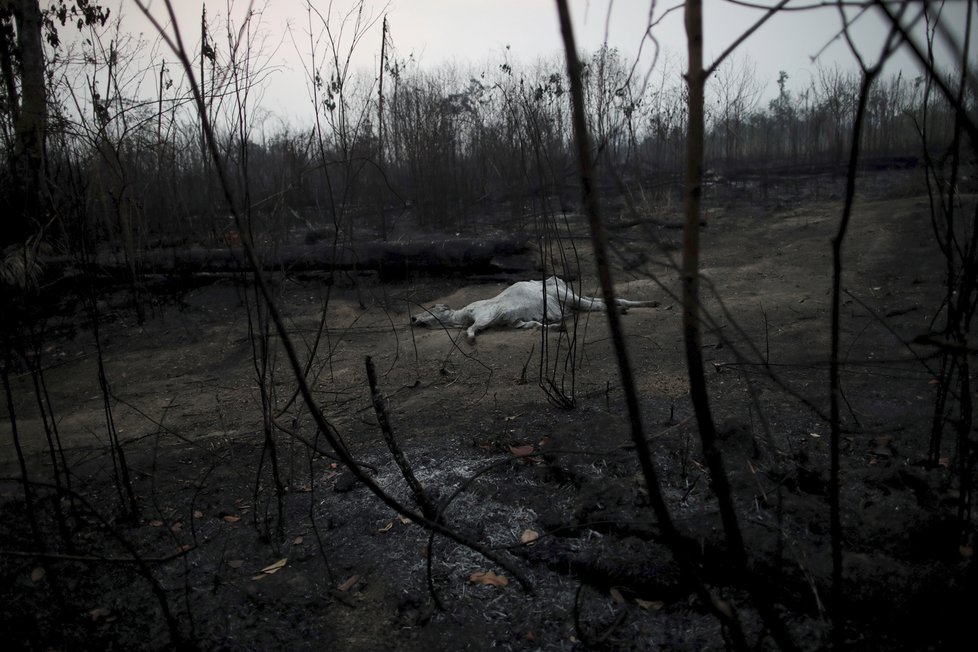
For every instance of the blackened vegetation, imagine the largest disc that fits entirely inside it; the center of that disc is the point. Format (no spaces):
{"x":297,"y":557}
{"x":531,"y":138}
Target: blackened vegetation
{"x":218,"y":431}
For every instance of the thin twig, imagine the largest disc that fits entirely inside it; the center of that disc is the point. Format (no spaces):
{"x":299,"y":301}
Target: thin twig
{"x":380,"y":407}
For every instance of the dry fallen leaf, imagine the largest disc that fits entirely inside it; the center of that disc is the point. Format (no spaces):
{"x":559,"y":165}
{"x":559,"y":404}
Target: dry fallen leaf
{"x":650,"y":605}
{"x":521,"y":451}
{"x":616,"y":595}
{"x":176,"y":528}
{"x":276,"y":567}
{"x":37,"y":574}
{"x":488,"y":578}
{"x":529,"y":537}
{"x":297,"y":541}
{"x":349,"y":583}
{"x":231,"y":518}
{"x":404,"y":520}
{"x":198,"y":514}
{"x":156,"y":523}
{"x":270,"y":569}
{"x":98,"y":613}
{"x":387,"y":527}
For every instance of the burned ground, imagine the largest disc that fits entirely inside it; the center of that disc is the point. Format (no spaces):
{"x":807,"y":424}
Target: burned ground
{"x":502,"y":459}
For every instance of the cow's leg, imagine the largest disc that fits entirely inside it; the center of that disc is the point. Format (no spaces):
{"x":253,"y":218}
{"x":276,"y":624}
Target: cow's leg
{"x":556,"y":325}
{"x":485,"y":315}
{"x":582,"y":303}
{"x":625,"y":303}
{"x":528,"y":324}
{"x":481,"y":323}
{"x":590,"y":304}
{"x":566,"y":296}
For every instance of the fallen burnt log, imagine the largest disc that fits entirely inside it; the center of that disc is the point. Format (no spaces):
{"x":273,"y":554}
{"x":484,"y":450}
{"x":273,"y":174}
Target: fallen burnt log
{"x":391,"y":260}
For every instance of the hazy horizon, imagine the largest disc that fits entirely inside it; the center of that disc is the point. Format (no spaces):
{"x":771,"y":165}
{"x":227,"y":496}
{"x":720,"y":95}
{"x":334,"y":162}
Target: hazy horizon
{"x":480,"y":34}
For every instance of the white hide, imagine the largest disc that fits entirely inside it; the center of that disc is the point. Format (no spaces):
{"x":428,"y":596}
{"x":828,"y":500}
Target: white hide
{"x":526,"y":304}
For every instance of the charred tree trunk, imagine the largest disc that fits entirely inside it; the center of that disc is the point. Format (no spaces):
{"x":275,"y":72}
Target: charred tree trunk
{"x":29,"y":116}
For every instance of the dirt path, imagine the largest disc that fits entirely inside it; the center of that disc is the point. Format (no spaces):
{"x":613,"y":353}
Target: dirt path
{"x":185,"y":401}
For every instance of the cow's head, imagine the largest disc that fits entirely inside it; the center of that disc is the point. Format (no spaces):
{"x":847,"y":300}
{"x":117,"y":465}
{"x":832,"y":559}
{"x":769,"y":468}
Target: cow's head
{"x":437,"y":315}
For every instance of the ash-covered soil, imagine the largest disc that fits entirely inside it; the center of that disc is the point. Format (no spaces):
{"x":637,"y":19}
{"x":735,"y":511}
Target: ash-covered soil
{"x":252,"y":546}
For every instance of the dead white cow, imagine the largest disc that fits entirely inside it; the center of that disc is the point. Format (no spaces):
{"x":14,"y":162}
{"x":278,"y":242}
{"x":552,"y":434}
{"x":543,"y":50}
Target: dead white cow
{"x":526,"y":304}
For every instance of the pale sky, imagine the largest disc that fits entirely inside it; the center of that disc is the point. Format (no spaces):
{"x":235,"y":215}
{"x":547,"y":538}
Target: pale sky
{"x":477,"y":32}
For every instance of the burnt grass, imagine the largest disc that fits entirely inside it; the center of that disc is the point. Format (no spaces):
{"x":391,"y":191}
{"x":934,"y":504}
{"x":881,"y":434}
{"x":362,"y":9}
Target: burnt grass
{"x":250,"y":552}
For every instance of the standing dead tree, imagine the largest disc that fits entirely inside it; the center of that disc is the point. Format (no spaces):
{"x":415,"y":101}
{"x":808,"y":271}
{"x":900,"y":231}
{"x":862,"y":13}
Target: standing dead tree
{"x":957,"y":240}
{"x":23,"y":52}
{"x":696,"y":81}
{"x":724,"y":610}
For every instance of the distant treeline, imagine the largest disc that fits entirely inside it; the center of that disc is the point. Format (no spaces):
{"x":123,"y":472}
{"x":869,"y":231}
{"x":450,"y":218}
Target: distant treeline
{"x":436,"y":147}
